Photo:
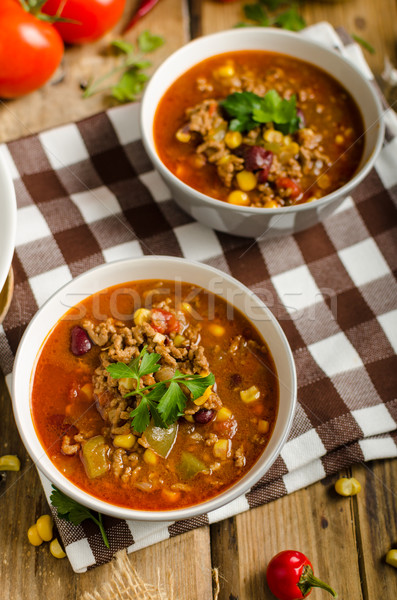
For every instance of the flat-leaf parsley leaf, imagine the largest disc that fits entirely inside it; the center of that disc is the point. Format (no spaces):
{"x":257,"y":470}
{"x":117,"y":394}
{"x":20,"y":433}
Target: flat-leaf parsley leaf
{"x":163,"y":401}
{"x":72,"y":511}
{"x":248,"y":110}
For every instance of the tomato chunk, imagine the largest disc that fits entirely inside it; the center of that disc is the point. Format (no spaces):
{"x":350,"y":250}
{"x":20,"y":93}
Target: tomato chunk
{"x":164,"y":321}
{"x":289,"y":184}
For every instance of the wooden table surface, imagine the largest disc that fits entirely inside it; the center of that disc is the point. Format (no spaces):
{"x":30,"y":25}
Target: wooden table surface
{"x":346,"y":538}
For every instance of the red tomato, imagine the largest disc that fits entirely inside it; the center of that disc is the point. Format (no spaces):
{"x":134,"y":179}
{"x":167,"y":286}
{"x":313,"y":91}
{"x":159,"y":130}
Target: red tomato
{"x":290,"y":576}
{"x":163,"y":321}
{"x":94,"y":18}
{"x":30,"y":50}
{"x":287,"y":183}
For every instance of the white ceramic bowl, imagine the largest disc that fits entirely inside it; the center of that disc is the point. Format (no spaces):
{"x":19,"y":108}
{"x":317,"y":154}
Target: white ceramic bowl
{"x":154,"y":267}
{"x":252,"y":221}
{"x":8,"y":220}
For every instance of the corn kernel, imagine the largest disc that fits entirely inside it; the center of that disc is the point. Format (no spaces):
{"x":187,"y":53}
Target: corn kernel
{"x":33,"y":536}
{"x":222,"y":449}
{"x":391,"y":557}
{"x":223,"y":414}
{"x":293,"y":148}
{"x":246,"y":181}
{"x":179,"y":340}
{"x":263,"y":426}
{"x":323,"y":181}
{"x":197,"y":161}
{"x":339,"y":139}
{"x":170,"y":496}
{"x":238,"y":197}
{"x":56,"y":549}
{"x":250,"y":395}
{"x":187,"y":307}
{"x":126,"y":441}
{"x":44,"y":526}
{"x":233,"y":139}
{"x":271,"y":135}
{"x":270,"y":204}
{"x":287,"y":140}
{"x":223,"y":160}
{"x":225,"y":71}
{"x":189,"y":418}
{"x":141,"y":316}
{"x":216,"y":330}
{"x":9,"y":462}
{"x":183,"y":136}
{"x":203,"y":399}
{"x":150,"y":457}
{"x":88,"y":390}
{"x":347,"y":486}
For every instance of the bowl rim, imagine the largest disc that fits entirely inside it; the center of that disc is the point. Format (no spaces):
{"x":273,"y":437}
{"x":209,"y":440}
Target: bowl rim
{"x":73,"y":491}
{"x":253,"y":210}
{"x":9,"y":222}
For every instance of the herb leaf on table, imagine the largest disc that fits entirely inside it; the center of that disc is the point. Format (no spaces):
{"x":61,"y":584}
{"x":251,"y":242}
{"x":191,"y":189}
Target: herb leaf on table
{"x":131,"y":69}
{"x":164,"y":401}
{"x":285,"y":15}
{"x":70,"y":510}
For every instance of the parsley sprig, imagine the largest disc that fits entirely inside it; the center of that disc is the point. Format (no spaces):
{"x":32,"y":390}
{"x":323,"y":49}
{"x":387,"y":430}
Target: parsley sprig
{"x":248,"y":110}
{"x":72,"y":511}
{"x":131,"y":68}
{"x":163,"y":401}
{"x":286,"y":18}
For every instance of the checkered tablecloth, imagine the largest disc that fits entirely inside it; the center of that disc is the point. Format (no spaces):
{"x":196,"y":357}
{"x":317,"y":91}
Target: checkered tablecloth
{"x":87,"y":194}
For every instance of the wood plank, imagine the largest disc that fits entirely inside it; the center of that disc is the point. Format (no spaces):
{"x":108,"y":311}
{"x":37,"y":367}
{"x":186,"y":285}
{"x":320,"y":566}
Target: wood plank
{"x":62,"y":103}
{"x":361,"y":17}
{"x":312,"y":520}
{"x":52,"y":579}
{"x":376,"y":517}
{"x":365,"y":18}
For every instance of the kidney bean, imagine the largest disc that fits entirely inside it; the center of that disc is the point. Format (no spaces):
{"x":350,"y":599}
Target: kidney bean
{"x":257,"y":158}
{"x":235,"y":380}
{"x":263,"y":174}
{"x":204,"y":416}
{"x":80,"y":343}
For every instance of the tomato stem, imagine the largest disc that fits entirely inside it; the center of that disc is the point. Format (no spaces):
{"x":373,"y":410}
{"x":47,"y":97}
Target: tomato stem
{"x":308,"y":581}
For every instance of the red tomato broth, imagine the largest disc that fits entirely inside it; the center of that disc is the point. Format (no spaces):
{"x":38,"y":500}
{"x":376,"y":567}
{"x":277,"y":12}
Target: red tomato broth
{"x":58,"y":401}
{"x":328,"y":109}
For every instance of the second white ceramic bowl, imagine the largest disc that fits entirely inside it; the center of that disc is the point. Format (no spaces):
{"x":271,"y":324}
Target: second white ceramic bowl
{"x":252,"y":221}
{"x":155,"y":267}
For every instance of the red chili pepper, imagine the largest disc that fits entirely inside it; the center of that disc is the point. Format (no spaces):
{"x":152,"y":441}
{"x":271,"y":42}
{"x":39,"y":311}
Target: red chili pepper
{"x":287,"y":183}
{"x":290,"y":576}
{"x":143,"y":9}
{"x":163,"y":321}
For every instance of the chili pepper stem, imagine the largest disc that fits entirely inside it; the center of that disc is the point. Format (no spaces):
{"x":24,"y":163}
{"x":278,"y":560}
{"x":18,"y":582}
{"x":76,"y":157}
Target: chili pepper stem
{"x":308,"y":581}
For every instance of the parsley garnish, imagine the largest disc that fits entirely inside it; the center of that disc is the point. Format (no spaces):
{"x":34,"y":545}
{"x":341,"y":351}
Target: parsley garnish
{"x":163,"y":401}
{"x":132,"y":68}
{"x":363,"y":43}
{"x":72,"y":511}
{"x":289,"y":18}
{"x":248,"y":110}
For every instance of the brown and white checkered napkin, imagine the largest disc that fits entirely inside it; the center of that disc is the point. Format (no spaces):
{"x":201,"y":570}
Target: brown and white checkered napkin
{"x":87,"y":194}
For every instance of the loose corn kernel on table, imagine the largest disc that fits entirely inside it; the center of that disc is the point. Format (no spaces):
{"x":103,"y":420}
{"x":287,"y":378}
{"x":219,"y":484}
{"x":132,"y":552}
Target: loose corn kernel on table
{"x":346,"y":538}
